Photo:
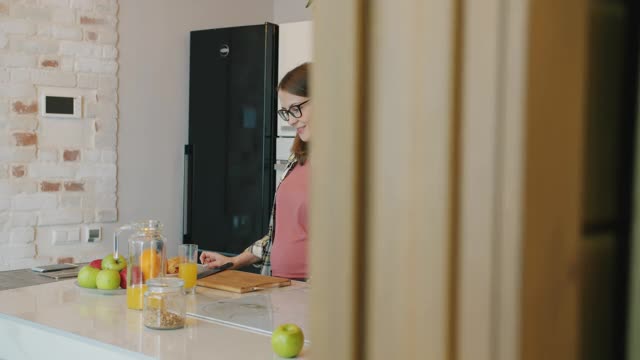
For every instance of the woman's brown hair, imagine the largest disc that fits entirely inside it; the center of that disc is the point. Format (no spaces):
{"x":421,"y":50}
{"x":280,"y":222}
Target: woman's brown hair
{"x":296,"y":82}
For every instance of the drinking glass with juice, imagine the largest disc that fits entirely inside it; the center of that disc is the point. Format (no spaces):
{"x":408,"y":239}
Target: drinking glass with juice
{"x":188,"y":268}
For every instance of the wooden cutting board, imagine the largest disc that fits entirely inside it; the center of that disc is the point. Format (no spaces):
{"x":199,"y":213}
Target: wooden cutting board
{"x":241,"y":282}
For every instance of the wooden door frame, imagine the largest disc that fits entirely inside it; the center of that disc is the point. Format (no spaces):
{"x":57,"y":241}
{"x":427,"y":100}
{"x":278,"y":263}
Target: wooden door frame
{"x":492,"y":150}
{"x":522,"y":138}
{"x":552,"y":221}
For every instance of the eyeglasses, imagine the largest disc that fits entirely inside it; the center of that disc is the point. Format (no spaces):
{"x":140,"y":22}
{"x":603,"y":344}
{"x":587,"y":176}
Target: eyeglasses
{"x":294,"y":110}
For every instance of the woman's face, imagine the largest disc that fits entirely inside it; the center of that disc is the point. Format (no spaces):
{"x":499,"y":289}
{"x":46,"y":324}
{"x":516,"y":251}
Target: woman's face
{"x":289,"y":102}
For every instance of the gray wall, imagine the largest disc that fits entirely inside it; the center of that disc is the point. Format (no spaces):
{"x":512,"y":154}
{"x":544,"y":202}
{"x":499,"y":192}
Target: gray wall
{"x":290,"y":11}
{"x":153,"y":95}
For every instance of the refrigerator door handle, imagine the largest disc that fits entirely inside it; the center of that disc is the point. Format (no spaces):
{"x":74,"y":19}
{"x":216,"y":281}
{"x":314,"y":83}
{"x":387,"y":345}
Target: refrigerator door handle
{"x":186,"y":202}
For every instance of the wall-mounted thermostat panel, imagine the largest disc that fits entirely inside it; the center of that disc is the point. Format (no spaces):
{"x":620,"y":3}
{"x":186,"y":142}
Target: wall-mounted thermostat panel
{"x":60,"y":102}
{"x":93,"y":233}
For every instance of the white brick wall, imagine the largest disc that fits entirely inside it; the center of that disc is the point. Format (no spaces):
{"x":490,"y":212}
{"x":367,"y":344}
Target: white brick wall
{"x":66,"y":133}
{"x":109,"y":52}
{"x":88,"y":81}
{"x":105,"y":201}
{"x":106,"y":185}
{"x":21,"y":236}
{"x":29,"y":123}
{"x":56,"y":175}
{"x":107,"y":125}
{"x":47,"y":154}
{"x":30,"y":13}
{"x":18,"y":251}
{"x":109,"y":156}
{"x":83,"y":4}
{"x":31,"y":46}
{"x":20,"y":75}
{"x":105,"y":215}
{"x":80,"y":48}
{"x":17,"y":60}
{"x":99,"y":66}
{"x":23,"y":218}
{"x":3,"y":40}
{"x":4,"y":106}
{"x":17,"y":90}
{"x":54,"y":3}
{"x":5,"y":153}
{"x":108,"y":37}
{"x":24,"y":186}
{"x":34,"y":201}
{"x":63,"y":16}
{"x":89,"y":215}
{"x":109,"y":82}
{"x":6,"y":188}
{"x":24,"y":154}
{"x":67,"y":63}
{"x":60,"y":217}
{"x":18,"y":26}
{"x":66,"y":32}
{"x":54,"y":78}
{"x":105,"y":139}
{"x":91,"y":155}
{"x":52,"y":171}
{"x":44,"y":30}
{"x":5,"y":220}
{"x":71,"y":201}
{"x":96,"y":171}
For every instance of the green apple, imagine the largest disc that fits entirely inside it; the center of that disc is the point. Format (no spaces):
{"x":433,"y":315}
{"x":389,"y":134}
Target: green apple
{"x":287,"y":340}
{"x":109,"y":263}
{"x":87,"y":277}
{"x":108,"y":279}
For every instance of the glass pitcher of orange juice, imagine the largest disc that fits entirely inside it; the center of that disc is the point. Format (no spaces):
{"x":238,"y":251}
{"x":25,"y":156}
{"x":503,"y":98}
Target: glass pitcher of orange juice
{"x":146,"y":258}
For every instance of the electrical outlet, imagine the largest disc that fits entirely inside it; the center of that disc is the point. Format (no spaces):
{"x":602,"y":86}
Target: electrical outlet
{"x":73,"y":235}
{"x":93,"y":233}
{"x":66,"y":236}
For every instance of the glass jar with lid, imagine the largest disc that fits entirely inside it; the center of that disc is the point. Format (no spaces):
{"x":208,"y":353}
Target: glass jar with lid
{"x":164,"y":304}
{"x":146,"y":259}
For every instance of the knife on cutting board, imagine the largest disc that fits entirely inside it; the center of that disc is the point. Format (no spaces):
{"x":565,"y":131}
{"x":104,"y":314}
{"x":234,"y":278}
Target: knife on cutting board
{"x":209,"y":272}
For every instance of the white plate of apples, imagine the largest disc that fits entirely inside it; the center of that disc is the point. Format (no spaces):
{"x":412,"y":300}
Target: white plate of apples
{"x":107,"y":276}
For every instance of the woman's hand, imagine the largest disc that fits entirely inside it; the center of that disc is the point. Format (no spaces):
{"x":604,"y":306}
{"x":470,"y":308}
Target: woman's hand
{"x":212,"y":259}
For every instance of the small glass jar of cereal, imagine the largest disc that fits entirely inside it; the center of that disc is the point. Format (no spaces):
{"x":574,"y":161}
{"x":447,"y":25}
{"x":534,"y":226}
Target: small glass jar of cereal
{"x":164,"y":304}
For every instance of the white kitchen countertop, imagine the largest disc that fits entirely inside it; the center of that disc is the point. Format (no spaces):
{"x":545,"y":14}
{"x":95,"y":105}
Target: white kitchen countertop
{"x":60,"y":320}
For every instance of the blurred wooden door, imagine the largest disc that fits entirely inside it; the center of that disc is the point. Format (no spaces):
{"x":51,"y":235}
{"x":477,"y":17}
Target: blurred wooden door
{"x":382,"y":167}
{"x":447,"y":178}
{"x":523,"y":132}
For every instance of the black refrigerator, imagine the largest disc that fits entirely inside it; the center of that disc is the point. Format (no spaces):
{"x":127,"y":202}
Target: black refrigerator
{"x":229,"y":173}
